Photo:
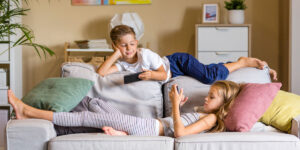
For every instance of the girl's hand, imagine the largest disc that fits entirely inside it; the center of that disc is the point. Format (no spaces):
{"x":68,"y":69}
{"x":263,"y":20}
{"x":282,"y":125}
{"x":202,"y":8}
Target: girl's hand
{"x":176,"y":97}
{"x":117,"y":51}
{"x":146,"y":75}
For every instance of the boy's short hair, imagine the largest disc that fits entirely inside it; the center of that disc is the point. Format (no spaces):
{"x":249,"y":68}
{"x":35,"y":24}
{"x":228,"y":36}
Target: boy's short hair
{"x":120,"y":30}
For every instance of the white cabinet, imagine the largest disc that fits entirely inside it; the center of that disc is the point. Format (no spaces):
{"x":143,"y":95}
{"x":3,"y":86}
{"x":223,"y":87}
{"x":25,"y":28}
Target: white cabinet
{"x":4,"y":56}
{"x":11,"y":62}
{"x":222,"y":43}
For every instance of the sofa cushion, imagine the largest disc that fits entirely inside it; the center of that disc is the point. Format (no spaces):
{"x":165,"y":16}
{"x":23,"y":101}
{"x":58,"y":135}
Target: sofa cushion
{"x":142,"y":99}
{"x":97,"y":141}
{"x":192,"y":88}
{"x":238,"y":141}
{"x":250,"y":75}
{"x":197,"y":91}
{"x":261,"y":127}
{"x":281,"y":112}
{"x":250,"y":104}
{"x":58,"y":94}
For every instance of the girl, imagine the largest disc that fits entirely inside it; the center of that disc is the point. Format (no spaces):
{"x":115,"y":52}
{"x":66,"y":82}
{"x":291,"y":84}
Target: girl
{"x":217,"y":103}
{"x":130,"y":58}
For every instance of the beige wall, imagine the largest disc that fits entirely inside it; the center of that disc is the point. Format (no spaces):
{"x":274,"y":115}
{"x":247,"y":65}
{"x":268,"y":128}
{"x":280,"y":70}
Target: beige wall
{"x":169,"y":27}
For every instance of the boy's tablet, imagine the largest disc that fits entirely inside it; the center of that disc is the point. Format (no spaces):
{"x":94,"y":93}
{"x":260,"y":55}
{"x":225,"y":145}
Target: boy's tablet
{"x":132,"y":78}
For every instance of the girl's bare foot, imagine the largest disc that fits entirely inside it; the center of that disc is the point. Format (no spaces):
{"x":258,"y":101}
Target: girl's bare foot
{"x":112,"y":131}
{"x":17,"y":104}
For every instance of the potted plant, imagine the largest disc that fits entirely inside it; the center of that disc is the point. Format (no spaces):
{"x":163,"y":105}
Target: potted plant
{"x":10,"y":9}
{"x":236,"y":11}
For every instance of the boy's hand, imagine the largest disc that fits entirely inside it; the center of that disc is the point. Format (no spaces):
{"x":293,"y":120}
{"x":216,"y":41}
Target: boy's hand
{"x":117,"y":51}
{"x":146,"y":75}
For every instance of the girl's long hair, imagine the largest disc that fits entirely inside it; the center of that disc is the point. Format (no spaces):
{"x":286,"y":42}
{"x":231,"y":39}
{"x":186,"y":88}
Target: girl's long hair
{"x":229,"y":91}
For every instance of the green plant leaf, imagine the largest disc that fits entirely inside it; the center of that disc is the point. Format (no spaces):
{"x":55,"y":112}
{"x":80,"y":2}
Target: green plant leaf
{"x":235,"y":5}
{"x":8,"y":29}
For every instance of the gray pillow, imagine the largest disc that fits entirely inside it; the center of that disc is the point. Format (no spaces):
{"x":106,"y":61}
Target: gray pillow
{"x":141,"y":99}
{"x":192,"y":88}
{"x":197,"y":91}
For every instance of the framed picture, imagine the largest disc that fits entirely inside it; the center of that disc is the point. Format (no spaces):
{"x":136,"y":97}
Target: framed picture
{"x":211,"y":13}
{"x":109,"y":2}
{"x":4,"y":117}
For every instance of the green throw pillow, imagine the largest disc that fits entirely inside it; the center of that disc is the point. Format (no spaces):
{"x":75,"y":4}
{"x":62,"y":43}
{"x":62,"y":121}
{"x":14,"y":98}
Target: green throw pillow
{"x":283,"y":109}
{"x":58,"y":94}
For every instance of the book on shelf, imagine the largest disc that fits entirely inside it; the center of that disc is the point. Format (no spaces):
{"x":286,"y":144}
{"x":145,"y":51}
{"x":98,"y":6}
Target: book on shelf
{"x":88,"y":44}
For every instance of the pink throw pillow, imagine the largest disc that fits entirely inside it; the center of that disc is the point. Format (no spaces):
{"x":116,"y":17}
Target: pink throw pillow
{"x":251,"y":103}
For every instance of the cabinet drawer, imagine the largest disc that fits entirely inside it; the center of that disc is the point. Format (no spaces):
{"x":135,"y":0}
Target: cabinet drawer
{"x":222,"y":38}
{"x":216,"y":57}
{"x":3,"y":96}
{"x":5,"y":55}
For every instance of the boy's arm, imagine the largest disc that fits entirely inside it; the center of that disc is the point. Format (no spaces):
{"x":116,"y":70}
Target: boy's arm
{"x":107,"y":67}
{"x":160,"y":74}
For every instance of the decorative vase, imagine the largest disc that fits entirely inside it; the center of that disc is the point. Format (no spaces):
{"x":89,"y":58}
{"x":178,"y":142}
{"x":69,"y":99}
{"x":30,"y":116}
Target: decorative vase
{"x":236,"y":16}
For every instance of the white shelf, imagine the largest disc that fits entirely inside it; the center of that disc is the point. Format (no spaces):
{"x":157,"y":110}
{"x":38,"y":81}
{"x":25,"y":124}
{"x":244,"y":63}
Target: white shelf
{"x":5,"y":105}
{"x":4,"y":62}
{"x":90,"y":50}
{"x":3,"y":88}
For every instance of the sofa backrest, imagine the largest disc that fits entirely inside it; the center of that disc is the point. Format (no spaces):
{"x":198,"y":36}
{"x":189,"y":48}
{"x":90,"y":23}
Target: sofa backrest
{"x":145,"y":98}
{"x":141,"y":99}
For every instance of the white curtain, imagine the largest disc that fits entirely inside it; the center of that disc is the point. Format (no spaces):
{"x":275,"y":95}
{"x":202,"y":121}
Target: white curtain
{"x":295,"y":46}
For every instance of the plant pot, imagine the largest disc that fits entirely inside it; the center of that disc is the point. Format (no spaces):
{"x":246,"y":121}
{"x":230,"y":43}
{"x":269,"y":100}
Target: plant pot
{"x":236,"y":16}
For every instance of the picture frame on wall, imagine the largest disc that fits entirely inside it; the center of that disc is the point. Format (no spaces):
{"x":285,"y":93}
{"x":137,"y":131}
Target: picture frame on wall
{"x":108,"y":2}
{"x":211,"y":13}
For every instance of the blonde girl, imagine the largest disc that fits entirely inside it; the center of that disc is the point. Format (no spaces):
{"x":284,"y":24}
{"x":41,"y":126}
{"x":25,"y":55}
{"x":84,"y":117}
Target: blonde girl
{"x":219,"y":100}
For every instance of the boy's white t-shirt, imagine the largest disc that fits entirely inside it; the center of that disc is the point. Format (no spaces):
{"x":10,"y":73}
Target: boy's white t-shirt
{"x":146,"y":60}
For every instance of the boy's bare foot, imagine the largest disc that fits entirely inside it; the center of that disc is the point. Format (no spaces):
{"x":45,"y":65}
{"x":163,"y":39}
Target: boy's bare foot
{"x":112,"y":131}
{"x":17,"y":104}
{"x":272,"y":72}
{"x":251,"y":62}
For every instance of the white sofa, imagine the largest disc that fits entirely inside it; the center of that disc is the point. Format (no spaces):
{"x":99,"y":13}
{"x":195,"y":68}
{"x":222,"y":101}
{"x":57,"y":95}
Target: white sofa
{"x":37,"y":134}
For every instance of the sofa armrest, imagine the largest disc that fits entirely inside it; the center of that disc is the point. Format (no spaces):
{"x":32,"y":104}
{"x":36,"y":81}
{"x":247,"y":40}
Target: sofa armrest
{"x":29,"y":134}
{"x":296,"y":126}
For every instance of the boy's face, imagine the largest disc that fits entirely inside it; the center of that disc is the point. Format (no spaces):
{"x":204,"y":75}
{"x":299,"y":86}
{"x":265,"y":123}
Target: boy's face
{"x":127,"y":45}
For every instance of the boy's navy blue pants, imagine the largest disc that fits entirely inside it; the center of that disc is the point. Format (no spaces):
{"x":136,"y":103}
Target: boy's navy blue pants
{"x":186,"y":64}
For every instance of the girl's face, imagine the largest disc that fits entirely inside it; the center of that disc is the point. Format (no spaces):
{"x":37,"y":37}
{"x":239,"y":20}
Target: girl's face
{"x":127,"y":45}
{"x":213,"y":101}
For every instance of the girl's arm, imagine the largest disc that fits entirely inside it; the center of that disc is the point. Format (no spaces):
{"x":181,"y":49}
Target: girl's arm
{"x":107,"y":67}
{"x":160,"y":74}
{"x":204,"y":123}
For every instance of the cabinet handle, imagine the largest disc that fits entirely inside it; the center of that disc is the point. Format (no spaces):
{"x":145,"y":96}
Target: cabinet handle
{"x":221,"y":29}
{"x":222,"y":53}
